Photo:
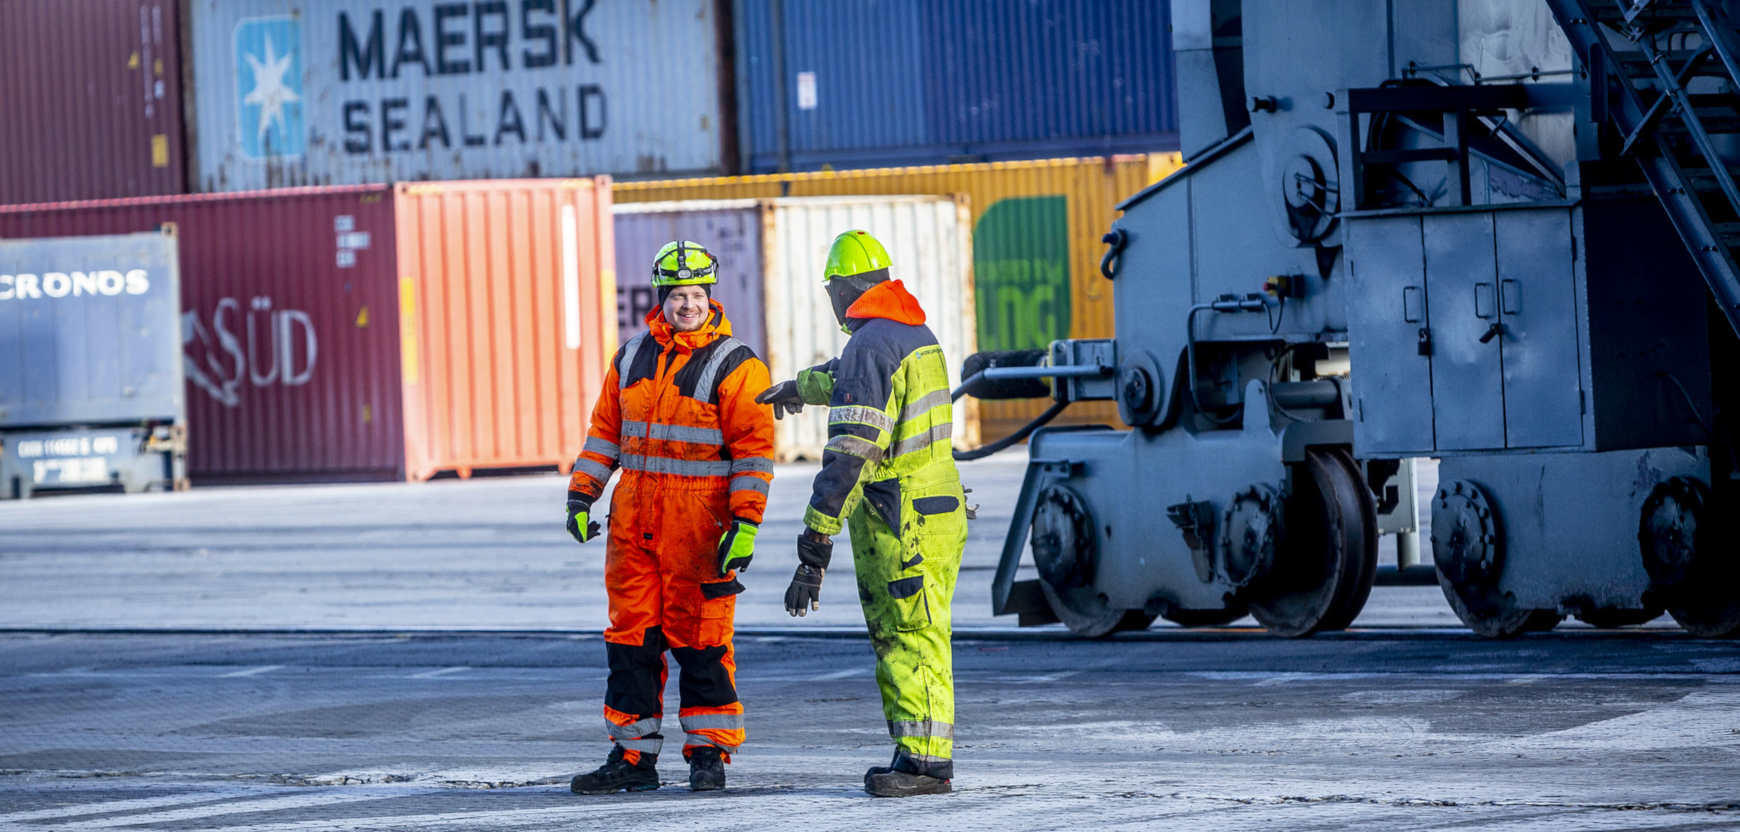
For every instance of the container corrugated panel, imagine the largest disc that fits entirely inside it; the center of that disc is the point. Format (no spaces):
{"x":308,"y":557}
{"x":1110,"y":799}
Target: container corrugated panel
{"x":90,"y":331}
{"x":507,"y":309}
{"x":730,"y":229}
{"x":930,"y":242}
{"x":319,"y":92}
{"x":951,"y":80}
{"x":289,"y":331}
{"x":1036,"y":244}
{"x":92,"y":99}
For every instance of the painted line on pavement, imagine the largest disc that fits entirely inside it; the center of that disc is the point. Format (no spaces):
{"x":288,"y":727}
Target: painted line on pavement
{"x":436,"y":674}
{"x":265,"y":804}
{"x":499,"y":819}
{"x":252,"y":671}
{"x":840,"y":674}
{"x":114,"y":806}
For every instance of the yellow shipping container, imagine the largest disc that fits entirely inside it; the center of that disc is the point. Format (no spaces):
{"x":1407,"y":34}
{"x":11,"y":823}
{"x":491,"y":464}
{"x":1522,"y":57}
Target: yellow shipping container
{"x":1036,"y":243}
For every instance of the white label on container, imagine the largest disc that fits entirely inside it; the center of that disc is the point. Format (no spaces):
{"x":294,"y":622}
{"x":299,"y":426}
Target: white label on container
{"x":354,"y":239}
{"x":347,"y":258}
{"x":806,"y":90}
{"x":570,"y":279}
{"x":92,"y":469}
{"x":343,"y":222}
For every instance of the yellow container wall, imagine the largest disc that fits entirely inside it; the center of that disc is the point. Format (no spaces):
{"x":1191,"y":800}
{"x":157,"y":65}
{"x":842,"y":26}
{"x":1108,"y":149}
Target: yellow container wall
{"x":1030,"y":220}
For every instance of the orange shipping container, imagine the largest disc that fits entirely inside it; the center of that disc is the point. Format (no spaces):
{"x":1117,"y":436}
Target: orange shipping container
{"x":507,"y":309}
{"x":1036,"y":243}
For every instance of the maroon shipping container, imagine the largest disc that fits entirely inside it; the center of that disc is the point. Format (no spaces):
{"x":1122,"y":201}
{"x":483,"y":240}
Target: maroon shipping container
{"x":289,"y":325}
{"x":90,"y":99}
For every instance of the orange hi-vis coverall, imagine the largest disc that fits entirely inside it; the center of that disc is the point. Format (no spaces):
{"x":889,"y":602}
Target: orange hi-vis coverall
{"x":678,"y":416}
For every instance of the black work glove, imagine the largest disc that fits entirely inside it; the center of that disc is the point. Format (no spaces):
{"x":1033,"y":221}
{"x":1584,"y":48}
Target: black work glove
{"x":815,"y":548}
{"x":580,"y":522}
{"x":784,"y":397}
{"x":805,"y":592}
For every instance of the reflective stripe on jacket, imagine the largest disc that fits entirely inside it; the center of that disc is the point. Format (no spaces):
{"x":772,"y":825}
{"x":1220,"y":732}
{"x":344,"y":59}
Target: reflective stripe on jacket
{"x":889,"y":414}
{"x":678,"y":416}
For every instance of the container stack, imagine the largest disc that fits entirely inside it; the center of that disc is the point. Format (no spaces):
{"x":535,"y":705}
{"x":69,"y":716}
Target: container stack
{"x":401,"y":224}
{"x":380,"y":332}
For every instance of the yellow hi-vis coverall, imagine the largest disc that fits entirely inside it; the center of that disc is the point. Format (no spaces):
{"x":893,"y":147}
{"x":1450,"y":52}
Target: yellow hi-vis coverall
{"x":889,"y":467}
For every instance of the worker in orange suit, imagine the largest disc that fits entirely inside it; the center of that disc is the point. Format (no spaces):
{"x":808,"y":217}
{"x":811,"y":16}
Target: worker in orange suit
{"x":678,"y":416}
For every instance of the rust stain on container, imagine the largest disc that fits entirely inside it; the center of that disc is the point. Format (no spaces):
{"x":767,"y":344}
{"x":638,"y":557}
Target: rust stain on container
{"x":1036,"y":243}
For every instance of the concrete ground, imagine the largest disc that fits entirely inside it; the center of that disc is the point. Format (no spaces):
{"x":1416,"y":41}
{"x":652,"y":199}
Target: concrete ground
{"x":479,"y":554}
{"x":409,"y":657}
{"x":1408,"y":730}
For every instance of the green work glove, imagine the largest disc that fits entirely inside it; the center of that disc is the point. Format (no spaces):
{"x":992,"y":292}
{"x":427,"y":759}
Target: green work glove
{"x":737,"y":547}
{"x":580,"y":523}
{"x":815,"y":386}
{"x":784,"y":397}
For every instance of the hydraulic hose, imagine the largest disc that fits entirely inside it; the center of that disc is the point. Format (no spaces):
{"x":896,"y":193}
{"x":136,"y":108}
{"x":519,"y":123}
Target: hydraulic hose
{"x":1026,"y":430}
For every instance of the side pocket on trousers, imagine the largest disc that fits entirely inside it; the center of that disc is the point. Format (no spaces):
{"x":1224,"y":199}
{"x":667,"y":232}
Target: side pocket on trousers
{"x":718,"y":604}
{"x":911,"y":603}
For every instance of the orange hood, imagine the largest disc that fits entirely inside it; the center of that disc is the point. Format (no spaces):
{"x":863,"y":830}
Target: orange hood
{"x":888,"y":299}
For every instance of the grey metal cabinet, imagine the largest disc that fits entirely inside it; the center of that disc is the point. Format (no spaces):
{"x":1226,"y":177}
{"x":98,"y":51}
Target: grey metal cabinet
{"x":1473,"y":318}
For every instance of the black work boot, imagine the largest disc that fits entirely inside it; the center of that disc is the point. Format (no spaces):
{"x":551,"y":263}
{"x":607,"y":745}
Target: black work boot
{"x":706,"y":769}
{"x":617,"y":775}
{"x":906,"y":777}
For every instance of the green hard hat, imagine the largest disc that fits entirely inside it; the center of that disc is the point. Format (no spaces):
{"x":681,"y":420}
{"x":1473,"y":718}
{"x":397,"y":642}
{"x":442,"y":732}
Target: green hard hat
{"x":683,"y":263}
{"x":856,"y":253}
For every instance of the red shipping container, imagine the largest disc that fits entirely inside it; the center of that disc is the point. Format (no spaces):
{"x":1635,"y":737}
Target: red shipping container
{"x":379,"y":332}
{"x":91,"y":95}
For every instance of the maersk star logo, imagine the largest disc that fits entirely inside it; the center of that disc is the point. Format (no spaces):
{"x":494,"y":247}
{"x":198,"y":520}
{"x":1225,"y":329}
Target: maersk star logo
{"x":268,"y":81}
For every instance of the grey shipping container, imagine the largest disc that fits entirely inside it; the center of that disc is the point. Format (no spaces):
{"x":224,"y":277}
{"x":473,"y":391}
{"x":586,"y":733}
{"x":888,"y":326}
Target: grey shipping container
{"x":90,"y":92}
{"x":90,"y":363}
{"x":731,"y":229}
{"x":871,"y":83}
{"x":329,"y":92}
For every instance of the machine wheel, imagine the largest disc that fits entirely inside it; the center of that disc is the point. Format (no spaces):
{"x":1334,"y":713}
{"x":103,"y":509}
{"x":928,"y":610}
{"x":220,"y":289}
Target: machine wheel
{"x":1684,"y":552}
{"x":1467,"y":548}
{"x":1367,"y":536}
{"x":1324,"y":572}
{"x":1206,"y":618}
{"x":1612,"y":618}
{"x":1491,"y":615}
{"x":1086,"y":613}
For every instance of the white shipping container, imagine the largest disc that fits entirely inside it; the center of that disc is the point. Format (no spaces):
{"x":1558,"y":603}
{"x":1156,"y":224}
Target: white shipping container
{"x":329,"y":92}
{"x":930,"y":239}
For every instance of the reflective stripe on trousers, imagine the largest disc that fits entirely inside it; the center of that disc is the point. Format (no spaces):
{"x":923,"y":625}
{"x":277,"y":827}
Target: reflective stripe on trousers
{"x":925,"y":728}
{"x":633,"y":730}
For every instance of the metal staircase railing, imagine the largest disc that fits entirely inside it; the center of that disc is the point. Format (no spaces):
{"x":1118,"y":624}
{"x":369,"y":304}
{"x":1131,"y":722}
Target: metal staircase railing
{"x":1643,"y":58}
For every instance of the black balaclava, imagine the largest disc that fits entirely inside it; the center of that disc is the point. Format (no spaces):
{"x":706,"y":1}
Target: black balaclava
{"x":845,"y":291}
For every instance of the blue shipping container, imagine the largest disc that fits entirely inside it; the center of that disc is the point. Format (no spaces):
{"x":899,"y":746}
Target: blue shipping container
{"x":90,"y":364}
{"x":864,"y":83}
